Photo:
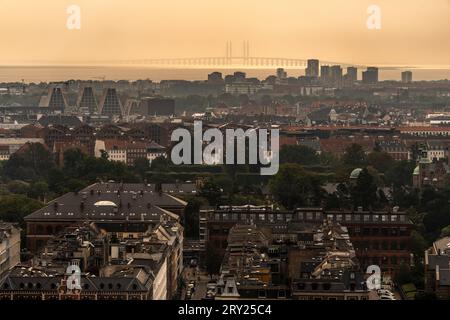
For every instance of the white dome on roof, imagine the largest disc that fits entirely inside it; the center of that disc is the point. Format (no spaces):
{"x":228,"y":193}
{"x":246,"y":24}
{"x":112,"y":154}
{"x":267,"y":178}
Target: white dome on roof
{"x":355,"y":173}
{"x":105,"y":204}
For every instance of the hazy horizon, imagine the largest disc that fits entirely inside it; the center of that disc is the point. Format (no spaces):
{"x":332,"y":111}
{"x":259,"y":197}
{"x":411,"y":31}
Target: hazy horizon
{"x":64,"y":73}
{"x":413,"y":32}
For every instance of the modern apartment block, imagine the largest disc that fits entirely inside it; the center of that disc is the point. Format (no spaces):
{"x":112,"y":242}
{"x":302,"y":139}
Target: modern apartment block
{"x":86,"y":101}
{"x":110,"y":104}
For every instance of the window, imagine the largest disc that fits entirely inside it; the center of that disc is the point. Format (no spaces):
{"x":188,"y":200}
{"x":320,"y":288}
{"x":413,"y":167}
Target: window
{"x":348,"y":217}
{"x":366,"y":218}
{"x":281,"y":294}
{"x":309,"y":216}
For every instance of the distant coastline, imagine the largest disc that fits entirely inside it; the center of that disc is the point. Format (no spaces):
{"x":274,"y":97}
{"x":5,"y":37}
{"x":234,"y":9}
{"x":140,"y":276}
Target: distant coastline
{"x":43,"y":73}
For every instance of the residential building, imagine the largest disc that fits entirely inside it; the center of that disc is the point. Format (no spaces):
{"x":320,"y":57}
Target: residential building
{"x":406,"y":76}
{"x":9,"y":246}
{"x":110,"y":205}
{"x":370,"y":76}
{"x":312,"y":69}
{"x":437,"y":269}
{"x":379,"y":237}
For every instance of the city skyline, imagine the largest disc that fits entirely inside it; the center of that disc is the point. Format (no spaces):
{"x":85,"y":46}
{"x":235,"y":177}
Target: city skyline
{"x":413,"y":33}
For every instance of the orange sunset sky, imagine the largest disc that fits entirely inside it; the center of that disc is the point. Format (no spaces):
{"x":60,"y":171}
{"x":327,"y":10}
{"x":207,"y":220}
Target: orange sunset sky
{"x":414,"y":32}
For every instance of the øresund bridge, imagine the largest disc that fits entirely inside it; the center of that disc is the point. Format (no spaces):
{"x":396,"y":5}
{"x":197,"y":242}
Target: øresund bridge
{"x":229,"y":60}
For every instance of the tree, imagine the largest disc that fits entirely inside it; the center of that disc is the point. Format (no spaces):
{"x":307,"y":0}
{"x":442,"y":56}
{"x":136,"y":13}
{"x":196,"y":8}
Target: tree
{"x":141,"y":166}
{"x":400,"y":173}
{"x":13,"y":208}
{"x":240,"y":200}
{"x":160,"y":164}
{"x":445,"y":232}
{"x":39,"y":190}
{"x":212,"y":191}
{"x":354,"y":156}
{"x":403,"y":275}
{"x":436,"y":206}
{"x":213,"y":260}
{"x":364,"y":192}
{"x":381,"y":161}
{"x":18,"y":187}
{"x":298,"y":154}
{"x":74,"y":160}
{"x":191,"y":216}
{"x":294,"y":187}
{"x":31,"y":162}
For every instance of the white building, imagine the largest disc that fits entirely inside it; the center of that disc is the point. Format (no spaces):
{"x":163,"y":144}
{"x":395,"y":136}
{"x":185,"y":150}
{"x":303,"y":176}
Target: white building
{"x":116,"y":151}
{"x":154,"y":151}
{"x":160,"y":283}
{"x":9,"y":246}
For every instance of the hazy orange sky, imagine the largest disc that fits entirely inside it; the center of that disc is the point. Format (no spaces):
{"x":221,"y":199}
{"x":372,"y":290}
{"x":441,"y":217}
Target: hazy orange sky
{"x":413,"y":31}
